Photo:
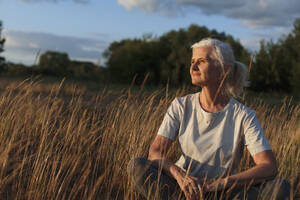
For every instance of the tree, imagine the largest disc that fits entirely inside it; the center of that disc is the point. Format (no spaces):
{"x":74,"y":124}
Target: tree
{"x":135,"y":58}
{"x":263,"y":75}
{"x":164,"y":59}
{"x":54,"y":63}
{"x":293,"y":41}
{"x":2,"y":41}
{"x":85,"y":70}
{"x":277,"y":65}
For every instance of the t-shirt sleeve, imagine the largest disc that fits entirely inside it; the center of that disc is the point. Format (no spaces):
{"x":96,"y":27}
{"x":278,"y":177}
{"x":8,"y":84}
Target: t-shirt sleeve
{"x":170,"y":125}
{"x":254,"y":137}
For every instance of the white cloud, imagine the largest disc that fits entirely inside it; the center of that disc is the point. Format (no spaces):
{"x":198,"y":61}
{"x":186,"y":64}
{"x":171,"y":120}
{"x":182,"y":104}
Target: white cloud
{"x":252,"y":13}
{"x":149,"y":6}
{"x":167,"y":7}
{"x":252,"y":42}
{"x":23,"y":46}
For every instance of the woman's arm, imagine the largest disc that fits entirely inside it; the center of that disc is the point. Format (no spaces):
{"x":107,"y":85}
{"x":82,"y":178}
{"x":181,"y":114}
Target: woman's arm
{"x":158,"y":152}
{"x":265,"y":167}
{"x":191,"y":186}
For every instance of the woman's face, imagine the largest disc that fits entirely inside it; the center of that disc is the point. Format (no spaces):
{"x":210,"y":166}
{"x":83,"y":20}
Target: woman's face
{"x":204,"y":71}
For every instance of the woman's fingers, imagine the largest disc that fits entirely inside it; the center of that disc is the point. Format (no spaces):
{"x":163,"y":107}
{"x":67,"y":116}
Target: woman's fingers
{"x":192,"y":191}
{"x":197,"y":187}
{"x":191,"y":187}
{"x":186,"y":194}
{"x":201,"y":192}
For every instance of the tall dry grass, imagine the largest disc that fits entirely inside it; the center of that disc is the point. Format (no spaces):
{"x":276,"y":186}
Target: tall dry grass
{"x":70,"y":144}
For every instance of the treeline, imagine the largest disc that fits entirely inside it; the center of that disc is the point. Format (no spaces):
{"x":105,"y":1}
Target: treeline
{"x":2,"y":41}
{"x":162,"y":59}
{"x":56,"y":64}
{"x":51,"y":63}
{"x":277,"y":65}
{"x":166,"y":59}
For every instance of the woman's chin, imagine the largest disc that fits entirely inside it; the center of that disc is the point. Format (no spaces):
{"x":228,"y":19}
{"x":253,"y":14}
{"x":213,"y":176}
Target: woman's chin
{"x":197,"y":83}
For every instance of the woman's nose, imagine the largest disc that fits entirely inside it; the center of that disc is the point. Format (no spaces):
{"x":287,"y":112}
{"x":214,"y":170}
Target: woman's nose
{"x":195,"y":66}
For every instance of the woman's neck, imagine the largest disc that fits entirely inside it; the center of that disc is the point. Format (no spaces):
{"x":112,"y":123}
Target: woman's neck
{"x":213,"y":100}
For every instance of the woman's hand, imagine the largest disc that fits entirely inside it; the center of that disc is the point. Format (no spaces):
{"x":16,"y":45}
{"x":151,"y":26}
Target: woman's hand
{"x":216,"y":185}
{"x":191,"y":186}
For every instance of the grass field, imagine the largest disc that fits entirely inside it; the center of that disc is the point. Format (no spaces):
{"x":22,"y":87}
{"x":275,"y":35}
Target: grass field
{"x":64,"y":141}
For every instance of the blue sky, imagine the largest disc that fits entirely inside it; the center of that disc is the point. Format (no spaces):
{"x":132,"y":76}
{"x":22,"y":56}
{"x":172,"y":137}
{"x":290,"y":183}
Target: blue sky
{"x":85,"y":28}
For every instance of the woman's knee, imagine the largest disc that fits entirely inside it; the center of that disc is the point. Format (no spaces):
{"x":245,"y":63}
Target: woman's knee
{"x":284,"y":189}
{"x":281,"y":187}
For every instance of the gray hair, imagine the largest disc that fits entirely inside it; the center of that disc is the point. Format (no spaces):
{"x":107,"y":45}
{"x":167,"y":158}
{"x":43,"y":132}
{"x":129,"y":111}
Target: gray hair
{"x":235,"y":79}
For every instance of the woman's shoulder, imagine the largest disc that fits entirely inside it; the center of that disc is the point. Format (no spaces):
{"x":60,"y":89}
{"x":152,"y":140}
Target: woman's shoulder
{"x":241,"y":109}
{"x":185,"y":103}
{"x":187,"y":99}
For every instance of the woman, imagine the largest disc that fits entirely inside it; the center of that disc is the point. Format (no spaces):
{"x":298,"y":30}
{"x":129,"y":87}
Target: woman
{"x":212,"y":128}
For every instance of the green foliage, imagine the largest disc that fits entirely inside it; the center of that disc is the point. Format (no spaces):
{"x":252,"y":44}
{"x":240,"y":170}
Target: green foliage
{"x":18,"y":70}
{"x":277,"y":65}
{"x":86,"y":70}
{"x":265,"y":73}
{"x":54,"y":63}
{"x":164,"y":59}
{"x":2,"y":41}
{"x":294,"y":44}
{"x":135,"y":57}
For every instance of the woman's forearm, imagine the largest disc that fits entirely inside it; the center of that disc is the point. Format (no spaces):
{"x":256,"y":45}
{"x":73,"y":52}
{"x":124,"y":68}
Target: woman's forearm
{"x":157,"y":153}
{"x":169,"y":167}
{"x":265,"y":167}
{"x":255,"y":174}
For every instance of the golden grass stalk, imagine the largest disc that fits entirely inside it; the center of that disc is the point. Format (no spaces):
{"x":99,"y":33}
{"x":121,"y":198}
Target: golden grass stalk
{"x":71,"y":144}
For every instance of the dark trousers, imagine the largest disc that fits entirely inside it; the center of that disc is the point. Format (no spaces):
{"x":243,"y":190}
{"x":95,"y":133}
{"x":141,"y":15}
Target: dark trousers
{"x":152,"y":183}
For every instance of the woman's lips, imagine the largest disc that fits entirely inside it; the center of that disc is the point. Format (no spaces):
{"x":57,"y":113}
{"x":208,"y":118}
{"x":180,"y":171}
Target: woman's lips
{"x":195,"y":74}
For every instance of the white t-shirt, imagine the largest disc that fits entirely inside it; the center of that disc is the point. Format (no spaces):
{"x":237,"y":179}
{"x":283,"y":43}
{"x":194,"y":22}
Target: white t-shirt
{"x":212,"y":143}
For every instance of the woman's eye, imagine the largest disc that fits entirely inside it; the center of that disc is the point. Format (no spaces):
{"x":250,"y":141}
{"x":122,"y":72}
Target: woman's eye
{"x":197,"y":62}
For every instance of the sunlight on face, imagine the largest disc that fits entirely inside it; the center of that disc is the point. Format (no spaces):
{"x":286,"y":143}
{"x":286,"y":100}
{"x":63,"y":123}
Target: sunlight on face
{"x":204,"y":70}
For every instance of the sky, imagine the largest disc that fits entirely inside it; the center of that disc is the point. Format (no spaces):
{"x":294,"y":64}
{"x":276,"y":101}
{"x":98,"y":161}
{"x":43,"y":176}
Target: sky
{"x":85,"y":28}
